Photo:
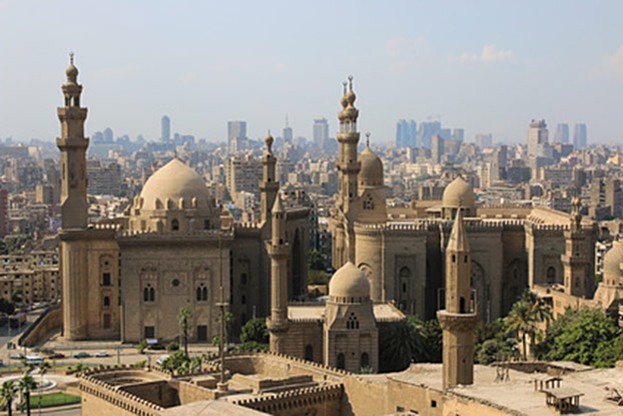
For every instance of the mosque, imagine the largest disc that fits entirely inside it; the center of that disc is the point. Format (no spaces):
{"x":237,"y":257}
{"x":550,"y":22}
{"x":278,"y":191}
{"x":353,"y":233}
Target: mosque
{"x":174,"y":247}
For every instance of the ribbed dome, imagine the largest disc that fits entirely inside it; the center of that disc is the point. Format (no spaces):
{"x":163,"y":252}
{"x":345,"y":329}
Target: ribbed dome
{"x":174,"y":181}
{"x":612,"y":262}
{"x":459,"y":193}
{"x":371,"y":173}
{"x":349,"y":282}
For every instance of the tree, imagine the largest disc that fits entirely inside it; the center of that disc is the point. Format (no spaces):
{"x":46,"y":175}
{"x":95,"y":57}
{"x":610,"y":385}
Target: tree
{"x":586,"y":336}
{"x":26,"y":385}
{"x":315,"y":260}
{"x":521,"y":323}
{"x":6,"y":306}
{"x":43,"y":368}
{"x":183,"y":317}
{"x":400,"y":344}
{"x":8,"y":391}
{"x":255,"y":331}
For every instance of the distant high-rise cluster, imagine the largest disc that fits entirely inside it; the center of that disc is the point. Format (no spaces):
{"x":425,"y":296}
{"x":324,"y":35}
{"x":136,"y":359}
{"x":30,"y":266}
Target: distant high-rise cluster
{"x":484,"y":140}
{"x":562,"y":133}
{"x":321,"y":132}
{"x":406,"y":133}
{"x":288,"y":133}
{"x":579,"y":136}
{"x":236,"y":134}
{"x":165,"y":133}
{"x":411,"y":134}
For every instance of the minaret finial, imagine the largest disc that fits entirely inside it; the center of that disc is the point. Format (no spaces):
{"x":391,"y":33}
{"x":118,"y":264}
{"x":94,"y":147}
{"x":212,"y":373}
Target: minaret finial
{"x":368,"y":139}
{"x":269,"y":142}
{"x":350,"y":82}
{"x":344,"y":84}
{"x":71,"y":58}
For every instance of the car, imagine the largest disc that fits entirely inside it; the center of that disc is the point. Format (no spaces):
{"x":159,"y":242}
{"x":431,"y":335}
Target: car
{"x":162,"y":359}
{"x":56,"y":356}
{"x":17,"y":356}
{"x":82,"y":354}
{"x":33,"y":359}
{"x":102,"y":354}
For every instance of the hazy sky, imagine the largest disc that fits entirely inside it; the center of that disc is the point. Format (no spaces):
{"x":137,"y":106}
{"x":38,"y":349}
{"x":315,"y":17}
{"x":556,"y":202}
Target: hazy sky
{"x":487,"y":66}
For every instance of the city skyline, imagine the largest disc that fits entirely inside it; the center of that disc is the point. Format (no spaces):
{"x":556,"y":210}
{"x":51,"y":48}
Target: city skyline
{"x":492,"y":69}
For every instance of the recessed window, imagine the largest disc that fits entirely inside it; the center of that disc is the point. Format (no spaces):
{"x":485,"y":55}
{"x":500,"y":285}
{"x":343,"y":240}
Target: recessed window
{"x":175,"y":282}
{"x":106,"y":279}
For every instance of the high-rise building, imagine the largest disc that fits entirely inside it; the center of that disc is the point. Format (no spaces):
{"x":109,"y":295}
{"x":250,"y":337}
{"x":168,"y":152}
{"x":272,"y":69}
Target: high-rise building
{"x":321,"y":132}
{"x":562,"y":133}
{"x":437,"y":148}
{"x":165,"y":129}
{"x":483,"y":140}
{"x":288,"y":134}
{"x":579,"y":136}
{"x":236,"y":133}
{"x":406,"y":133}
{"x":458,"y":134}
{"x":108,"y":135}
{"x":537,"y":139}
{"x":426,"y":131}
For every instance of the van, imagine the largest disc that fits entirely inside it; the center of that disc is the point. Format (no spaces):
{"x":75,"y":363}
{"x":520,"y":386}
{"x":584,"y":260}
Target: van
{"x":33,"y":360}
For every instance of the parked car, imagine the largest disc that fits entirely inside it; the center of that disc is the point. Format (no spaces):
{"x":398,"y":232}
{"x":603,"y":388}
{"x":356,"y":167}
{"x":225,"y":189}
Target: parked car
{"x":162,"y":359}
{"x":82,"y":354}
{"x":34,"y":359}
{"x":17,"y":356}
{"x":102,"y":354}
{"x":56,"y":356}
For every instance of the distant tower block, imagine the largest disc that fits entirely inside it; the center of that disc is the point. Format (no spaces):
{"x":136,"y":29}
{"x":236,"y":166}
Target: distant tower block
{"x":459,"y":318}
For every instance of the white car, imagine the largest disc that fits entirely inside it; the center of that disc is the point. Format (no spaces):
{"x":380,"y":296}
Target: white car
{"x":101,"y":354}
{"x":161,"y":359}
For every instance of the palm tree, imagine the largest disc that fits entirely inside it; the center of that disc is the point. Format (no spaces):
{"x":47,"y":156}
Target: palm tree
{"x":401,"y":343}
{"x":183,"y":317}
{"x":26,"y":385}
{"x":43,"y":368}
{"x":7,"y":393}
{"x":521,"y":322}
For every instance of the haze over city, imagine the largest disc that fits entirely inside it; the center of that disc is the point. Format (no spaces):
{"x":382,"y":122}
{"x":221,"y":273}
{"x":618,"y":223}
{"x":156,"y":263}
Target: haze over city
{"x":483,"y":66}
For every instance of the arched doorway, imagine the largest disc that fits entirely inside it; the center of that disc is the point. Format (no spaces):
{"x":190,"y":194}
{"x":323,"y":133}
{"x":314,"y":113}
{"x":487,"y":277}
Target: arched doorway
{"x":481,"y":285}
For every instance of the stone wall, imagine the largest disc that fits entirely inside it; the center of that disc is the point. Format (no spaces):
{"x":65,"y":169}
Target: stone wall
{"x":319,"y":401}
{"x":159,"y":392}
{"x":43,"y":327}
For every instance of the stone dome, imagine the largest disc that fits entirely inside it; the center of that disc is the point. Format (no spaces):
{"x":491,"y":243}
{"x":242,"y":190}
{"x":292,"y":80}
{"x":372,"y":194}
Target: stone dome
{"x":371,"y":173}
{"x":173,"y":182}
{"x":459,"y":193}
{"x":349,"y":282}
{"x":612,"y":262}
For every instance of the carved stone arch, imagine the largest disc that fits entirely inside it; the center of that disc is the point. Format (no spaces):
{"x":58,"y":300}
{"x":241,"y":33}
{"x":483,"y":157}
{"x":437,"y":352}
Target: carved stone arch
{"x":551,"y":275}
{"x":480,"y":282}
{"x":367,"y":271}
{"x":515,"y":281}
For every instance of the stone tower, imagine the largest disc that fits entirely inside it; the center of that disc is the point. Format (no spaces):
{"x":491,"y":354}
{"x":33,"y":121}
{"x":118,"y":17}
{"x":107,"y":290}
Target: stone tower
{"x":576,"y":263}
{"x":89,"y":264}
{"x":459,"y":318}
{"x":268,"y":185}
{"x":348,"y":168}
{"x":278,"y":250}
{"x":73,"y":146}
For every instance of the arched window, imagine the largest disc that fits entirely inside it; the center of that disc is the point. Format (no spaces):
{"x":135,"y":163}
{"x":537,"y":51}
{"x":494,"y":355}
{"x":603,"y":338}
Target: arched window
{"x":106,"y":301}
{"x":152,"y":294}
{"x":462,"y":305}
{"x":341,"y":361}
{"x":175,"y":225}
{"x":201,"y":294}
{"x":198,"y":294}
{"x":146,"y":294}
{"x":368,"y":203}
{"x":204,"y":294}
{"x":309,"y":353}
{"x":365,"y":360}
{"x":551,"y":275}
{"x":352,"y":322}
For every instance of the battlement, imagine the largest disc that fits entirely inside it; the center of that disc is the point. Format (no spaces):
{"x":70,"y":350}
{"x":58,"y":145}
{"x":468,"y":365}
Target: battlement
{"x":292,"y":399}
{"x":174,"y":234}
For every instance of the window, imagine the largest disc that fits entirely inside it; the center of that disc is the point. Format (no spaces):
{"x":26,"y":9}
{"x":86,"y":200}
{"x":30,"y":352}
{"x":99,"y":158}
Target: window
{"x":365,"y":360}
{"x":352,"y":322}
{"x":175,"y":282}
{"x":341,"y":361}
{"x":462,"y":305}
{"x":106,"y":321}
{"x":551,"y":275}
{"x":368,"y":203}
{"x":243,"y":299}
{"x":202,"y":293}
{"x":106,"y":301}
{"x":206,"y":224}
{"x":309,"y":353}
{"x":202,"y":333}
{"x":149,"y":294}
{"x":175,"y":225}
{"x":243,"y":278}
{"x":149,"y":332}
{"x":106,"y":279}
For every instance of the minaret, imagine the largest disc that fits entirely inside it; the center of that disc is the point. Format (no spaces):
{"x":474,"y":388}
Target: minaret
{"x":268,"y":185}
{"x":348,"y":168}
{"x":575,"y":261}
{"x":73,"y":146}
{"x":459,"y":318}
{"x":278,"y":251}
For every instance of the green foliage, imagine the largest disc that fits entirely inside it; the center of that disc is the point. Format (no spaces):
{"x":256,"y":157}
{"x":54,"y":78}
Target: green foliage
{"x":492,"y":343}
{"x":175,"y":361}
{"x":318,"y":277}
{"x":142,"y":346}
{"x":216,"y":341}
{"x":173,"y":346}
{"x":252,"y":346}
{"x":13,"y":243}
{"x":183,"y":317}
{"x":53,"y":399}
{"x":366,"y":370}
{"x":315,"y":260}
{"x":524,"y":317}
{"x":587,"y":336}
{"x":255,"y":331}
{"x":400,"y":344}
{"x":8,"y":392}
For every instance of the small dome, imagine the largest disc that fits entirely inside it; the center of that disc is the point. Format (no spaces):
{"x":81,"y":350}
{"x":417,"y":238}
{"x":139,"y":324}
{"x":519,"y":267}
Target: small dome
{"x":174,"y":181}
{"x":459,"y":193}
{"x":349,"y":282}
{"x":71,"y":72}
{"x":612,"y":262}
{"x":371,"y":173}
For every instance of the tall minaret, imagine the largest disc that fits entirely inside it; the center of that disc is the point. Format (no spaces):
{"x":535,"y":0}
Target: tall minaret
{"x":348,"y":168}
{"x":73,"y":146}
{"x":278,"y":251}
{"x":576,"y":263}
{"x":268,"y":185}
{"x":459,"y":318}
